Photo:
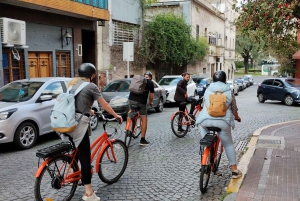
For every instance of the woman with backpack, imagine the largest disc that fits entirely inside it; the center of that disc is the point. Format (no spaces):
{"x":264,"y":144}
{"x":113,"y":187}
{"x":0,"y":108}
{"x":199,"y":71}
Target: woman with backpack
{"x":225,"y":122}
{"x":83,"y":103}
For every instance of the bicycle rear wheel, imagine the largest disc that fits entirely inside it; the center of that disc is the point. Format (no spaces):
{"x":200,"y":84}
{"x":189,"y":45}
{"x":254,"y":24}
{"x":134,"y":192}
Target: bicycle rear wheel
{"x":137,"y":128}
{"x":219,"y":156}
{"x":180,"y":121}
{"x":128,"y":136}
{"x":48,"y":184}
{"x":205,"y":172}
{"x":109,"y":169}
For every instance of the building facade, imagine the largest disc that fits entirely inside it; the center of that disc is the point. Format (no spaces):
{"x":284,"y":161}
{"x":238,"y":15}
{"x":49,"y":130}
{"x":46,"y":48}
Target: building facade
{"x":59,"y":36}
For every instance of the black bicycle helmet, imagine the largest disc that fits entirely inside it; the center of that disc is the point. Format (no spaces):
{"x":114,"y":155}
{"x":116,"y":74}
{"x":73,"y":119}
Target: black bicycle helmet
{"x":149,"y":74}
{"x":86,"y":70}
{"x":219,"y":76}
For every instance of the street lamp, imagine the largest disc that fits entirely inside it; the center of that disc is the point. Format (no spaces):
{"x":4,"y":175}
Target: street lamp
{"x":67,"y":37}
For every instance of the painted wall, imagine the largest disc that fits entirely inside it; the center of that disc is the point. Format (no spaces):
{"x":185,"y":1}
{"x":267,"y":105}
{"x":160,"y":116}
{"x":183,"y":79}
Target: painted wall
{"x":126,"y":11}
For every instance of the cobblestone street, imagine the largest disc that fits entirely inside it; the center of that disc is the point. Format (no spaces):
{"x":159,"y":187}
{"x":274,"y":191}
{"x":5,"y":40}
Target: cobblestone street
{"x":167,"y":169}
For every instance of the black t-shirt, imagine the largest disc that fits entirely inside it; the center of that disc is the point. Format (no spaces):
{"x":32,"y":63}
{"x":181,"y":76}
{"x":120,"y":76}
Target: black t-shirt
{"x":143,"y":98}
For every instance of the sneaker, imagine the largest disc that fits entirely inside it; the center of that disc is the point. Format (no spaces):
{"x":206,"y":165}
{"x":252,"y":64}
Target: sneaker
{"x":143,"y":142}
{"x":180,"y":130}
{"x":236,"y":174}
{"x":93,"y":197}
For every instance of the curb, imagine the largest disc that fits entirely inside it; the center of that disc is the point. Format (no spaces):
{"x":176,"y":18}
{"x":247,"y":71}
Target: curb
{"x":235,"y":184}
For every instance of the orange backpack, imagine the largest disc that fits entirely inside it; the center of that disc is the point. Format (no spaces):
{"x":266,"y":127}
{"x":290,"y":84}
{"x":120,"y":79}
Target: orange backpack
{"x":217,"y":104}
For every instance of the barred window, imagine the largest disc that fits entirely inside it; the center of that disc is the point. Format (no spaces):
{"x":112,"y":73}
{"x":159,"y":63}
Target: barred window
{"x":124,"y":32}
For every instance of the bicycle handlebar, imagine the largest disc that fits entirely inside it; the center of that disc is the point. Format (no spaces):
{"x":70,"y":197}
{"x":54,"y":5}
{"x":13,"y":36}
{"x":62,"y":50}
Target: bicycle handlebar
{"x":99,"y":114}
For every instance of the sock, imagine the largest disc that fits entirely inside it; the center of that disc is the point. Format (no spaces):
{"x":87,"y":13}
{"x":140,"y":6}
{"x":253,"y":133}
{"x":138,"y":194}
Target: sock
{"x":142,"y":138}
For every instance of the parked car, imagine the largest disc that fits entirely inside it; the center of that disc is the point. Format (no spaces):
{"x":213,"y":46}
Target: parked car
{"x":25,"y":107}
{"x":251,"y":79}
{"x":169,"y":82}
{"x":117,"y":92}
{"x":246,"y":80}
{"x":240,"y":84}
{"x":201,"y":85}
{"x":234,"y":87}
{"x":286,"y":90}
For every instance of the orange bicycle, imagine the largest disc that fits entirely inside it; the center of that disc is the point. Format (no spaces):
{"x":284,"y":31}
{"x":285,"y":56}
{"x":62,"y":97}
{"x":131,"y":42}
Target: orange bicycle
{"x":133,"y":125}
{"x":183,"y":120}
{"x":211,"y":150}
{"x":58,"y":176}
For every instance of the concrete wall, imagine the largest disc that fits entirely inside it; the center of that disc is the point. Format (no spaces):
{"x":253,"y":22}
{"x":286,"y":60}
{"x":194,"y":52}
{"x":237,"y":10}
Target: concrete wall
{"x":126,"y":11}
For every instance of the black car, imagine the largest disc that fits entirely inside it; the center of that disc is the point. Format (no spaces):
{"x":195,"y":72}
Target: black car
{"x":116,"y":94}
{"x":286,"y":90}
{"x":201,"y":85}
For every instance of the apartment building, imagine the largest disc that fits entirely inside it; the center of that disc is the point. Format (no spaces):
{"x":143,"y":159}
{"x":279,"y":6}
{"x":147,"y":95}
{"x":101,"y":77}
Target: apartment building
{"x":48,"y":38}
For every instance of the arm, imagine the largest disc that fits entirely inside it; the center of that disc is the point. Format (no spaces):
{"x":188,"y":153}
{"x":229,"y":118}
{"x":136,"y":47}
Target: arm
{"x":107,"y":108}
{"x":180,"y":88}
{"x":151,"y":94}
{"x":234,"y":108}
{"x":151,"y":97}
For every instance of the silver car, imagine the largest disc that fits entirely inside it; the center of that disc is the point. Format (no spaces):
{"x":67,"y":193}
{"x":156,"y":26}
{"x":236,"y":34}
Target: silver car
{"x":25,"y":107}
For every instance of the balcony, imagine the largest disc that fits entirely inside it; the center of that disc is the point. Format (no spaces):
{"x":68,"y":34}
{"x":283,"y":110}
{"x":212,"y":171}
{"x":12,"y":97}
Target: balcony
{"x":96,"y":3}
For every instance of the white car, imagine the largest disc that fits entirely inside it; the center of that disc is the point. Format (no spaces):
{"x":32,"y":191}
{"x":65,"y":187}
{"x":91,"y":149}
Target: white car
{"x":234,"y":87}
{"x":251,"y":80}
{"x":169,"y":82}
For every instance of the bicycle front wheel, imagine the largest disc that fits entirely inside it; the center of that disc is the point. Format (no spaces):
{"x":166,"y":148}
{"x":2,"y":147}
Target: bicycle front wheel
{"x":205,"y":172}
{"x":49,"y":186}
{"x":179,"y":125}
{"x":111,"y":170}
{"x":128,"y":136}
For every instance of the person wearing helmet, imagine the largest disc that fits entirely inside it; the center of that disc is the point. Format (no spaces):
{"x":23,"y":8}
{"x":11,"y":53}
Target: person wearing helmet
{"x":83,"y":103}
{"x":226,"y":122}
{"x":141,"y":101}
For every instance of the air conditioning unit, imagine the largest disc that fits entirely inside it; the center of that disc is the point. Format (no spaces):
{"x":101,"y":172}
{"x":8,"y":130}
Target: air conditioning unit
{"x":219,"y":36}
{"x":13,"y":32}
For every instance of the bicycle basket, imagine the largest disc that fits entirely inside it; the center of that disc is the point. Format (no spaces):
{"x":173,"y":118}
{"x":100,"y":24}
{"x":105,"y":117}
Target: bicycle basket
{"x":208,"y":140}
{"x":54,"y":149}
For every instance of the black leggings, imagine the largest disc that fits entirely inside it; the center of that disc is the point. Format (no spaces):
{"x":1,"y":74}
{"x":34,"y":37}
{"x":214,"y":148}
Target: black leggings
{"x":84,"y":158}
{"x":193,"y":102}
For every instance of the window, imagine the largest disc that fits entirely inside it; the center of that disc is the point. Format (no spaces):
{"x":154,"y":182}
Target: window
{"x":268,"y":82}
{"x":12,"y":69}
{"x":204,"y":70}
{"x":124,"y":32}
{"x":53,"y":89}
{"x":278,"y":83}
{"x":63,"y":66}
{"x":212,"y":40}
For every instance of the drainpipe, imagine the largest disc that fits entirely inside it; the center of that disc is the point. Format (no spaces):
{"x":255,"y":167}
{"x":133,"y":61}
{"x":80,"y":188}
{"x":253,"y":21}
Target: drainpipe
{"x":1,"y":65}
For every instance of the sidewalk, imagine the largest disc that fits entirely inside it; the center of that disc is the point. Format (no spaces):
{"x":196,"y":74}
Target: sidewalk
{"x":271,"y":166}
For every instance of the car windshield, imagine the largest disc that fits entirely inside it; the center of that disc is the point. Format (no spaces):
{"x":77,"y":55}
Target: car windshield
{"x":19,"y":91}
{"x":117,"y":86}
{"x":197,"y":80}
{"x":169,"y":81}
{"x":292,"y":82}
{"x":239,"y":81}
{"x":203,"y":82}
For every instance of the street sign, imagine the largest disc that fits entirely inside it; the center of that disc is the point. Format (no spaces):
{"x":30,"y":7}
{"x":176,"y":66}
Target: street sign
{"x":128,"y":51}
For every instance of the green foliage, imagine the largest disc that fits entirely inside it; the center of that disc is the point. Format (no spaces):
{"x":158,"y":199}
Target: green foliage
{"x":274,"y":22}
{"x":239,"y":64}
{"x":167,"y":38}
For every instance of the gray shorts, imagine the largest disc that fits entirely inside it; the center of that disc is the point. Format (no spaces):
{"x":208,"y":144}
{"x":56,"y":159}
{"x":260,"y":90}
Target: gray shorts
{"x":142,"y":107}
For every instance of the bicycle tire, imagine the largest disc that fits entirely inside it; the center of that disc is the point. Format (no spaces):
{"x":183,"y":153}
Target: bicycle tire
{"x":219,"y":156}
{"x":47,"y":185}
{"x":128,"y":137}
{"x":205,"y":172}
{"x":137,"y":128}
{"x":179,"y":117}
{"x":108,"y":172}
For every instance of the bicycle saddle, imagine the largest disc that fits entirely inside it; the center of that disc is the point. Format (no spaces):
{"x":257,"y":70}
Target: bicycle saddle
{"x":216,"y":129}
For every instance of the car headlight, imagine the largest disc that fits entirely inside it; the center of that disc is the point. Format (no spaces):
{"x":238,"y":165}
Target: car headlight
{"x":6,"y":114}
{"x":118,"y":101}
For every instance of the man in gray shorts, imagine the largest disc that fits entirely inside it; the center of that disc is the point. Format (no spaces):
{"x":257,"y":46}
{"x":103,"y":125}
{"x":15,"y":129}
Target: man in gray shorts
{"x":141,"y":101}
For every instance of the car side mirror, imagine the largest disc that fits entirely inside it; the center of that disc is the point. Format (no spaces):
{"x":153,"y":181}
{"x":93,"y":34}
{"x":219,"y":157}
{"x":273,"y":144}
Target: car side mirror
{"x":44,"y":98}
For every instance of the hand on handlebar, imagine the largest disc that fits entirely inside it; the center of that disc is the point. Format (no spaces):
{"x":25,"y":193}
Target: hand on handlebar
{"x":119,"y":118}
{"x":238,"y":119}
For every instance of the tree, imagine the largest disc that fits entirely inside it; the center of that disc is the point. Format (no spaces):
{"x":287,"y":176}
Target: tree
{"x":276,"y":23}
{"x":248,"y":48}
{"x":167,"y":38}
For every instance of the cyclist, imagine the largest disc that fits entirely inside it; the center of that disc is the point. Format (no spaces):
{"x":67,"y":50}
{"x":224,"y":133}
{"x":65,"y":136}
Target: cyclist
{"x":141,"y":101}
{"x":182,"y":96}
{"x":224,"y":123}
{"x":83,"y":102}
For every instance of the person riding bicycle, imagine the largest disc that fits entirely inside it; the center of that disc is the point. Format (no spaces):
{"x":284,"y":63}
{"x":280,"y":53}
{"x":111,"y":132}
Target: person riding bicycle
{"x":140,"y":100}
{"x":182,"y":96}
{"x":226,"y":122}
{"x":83,"y":103}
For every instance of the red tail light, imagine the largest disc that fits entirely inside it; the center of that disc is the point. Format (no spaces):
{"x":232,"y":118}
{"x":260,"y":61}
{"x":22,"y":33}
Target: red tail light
{"x":259,"y":85}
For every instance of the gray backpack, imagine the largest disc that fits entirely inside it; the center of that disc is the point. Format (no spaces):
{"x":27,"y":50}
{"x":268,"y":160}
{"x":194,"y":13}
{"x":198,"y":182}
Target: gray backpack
{"x":138,"y":84}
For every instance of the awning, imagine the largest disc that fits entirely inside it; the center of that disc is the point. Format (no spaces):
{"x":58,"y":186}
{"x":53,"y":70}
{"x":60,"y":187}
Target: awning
{"x":296,"y":55}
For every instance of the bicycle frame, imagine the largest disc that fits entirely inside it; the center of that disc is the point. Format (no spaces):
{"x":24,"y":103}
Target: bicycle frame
{"x":129,"y":121}
{"x":186,"y":112}
{"x":204,"y":156}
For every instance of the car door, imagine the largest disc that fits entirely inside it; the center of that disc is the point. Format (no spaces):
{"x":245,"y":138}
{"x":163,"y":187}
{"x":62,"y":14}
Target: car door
{"x":266,"y":88}
{"x":278,"y":90}
{"x":191,"y":87}
{"x":43,"y":110}
{"x":156,"y":94}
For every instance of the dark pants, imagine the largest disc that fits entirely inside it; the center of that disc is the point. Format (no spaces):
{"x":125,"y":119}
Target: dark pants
{"x":191,"y":100}
{"x":84,"y":158}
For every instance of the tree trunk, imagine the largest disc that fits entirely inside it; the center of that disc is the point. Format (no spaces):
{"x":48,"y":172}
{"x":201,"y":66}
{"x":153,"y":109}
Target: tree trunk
{"x":246,"y":59}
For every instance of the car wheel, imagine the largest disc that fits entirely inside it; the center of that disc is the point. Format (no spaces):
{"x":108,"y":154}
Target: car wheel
{"x":261,"y":98}
{"x":288,"y":100}
{"x":160,"y":106}
{"x":25,"y":136}
{"x":94,"y":120}
{"x":237,"y":93}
